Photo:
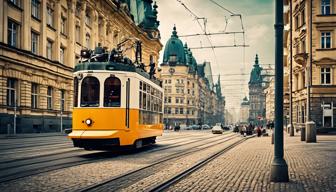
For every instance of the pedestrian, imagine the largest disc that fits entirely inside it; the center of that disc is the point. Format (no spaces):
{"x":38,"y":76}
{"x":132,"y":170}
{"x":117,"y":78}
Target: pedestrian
{"x":244,"y":131}
{"x":259,"y":131}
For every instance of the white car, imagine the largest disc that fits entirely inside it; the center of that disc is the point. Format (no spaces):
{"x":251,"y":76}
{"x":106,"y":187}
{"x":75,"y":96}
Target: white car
{"x":217,"y":129}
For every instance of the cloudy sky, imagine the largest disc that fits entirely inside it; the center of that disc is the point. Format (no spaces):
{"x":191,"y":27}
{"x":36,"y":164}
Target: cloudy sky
{"x":258,"y":20}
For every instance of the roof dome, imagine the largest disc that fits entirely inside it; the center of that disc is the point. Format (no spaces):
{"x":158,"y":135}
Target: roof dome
{"x":174,"y":51}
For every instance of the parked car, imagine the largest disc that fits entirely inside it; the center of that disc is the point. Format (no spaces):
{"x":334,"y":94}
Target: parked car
{"x":193,"y":127}
{"x":217,"y":129}
{"x":205,"y":126}
{"x":226,"y":128}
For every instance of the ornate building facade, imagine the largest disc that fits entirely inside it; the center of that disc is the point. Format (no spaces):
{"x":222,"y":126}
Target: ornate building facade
{"x":317,"y":58}
{"x":189,"y":97}
{"x":256,"y":94}
{"x":40,"y":43}
{"x":269,"y":100}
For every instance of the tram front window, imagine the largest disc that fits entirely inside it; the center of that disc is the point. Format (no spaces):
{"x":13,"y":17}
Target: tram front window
{"x":90,"y":92}
{"x":112,"y":89}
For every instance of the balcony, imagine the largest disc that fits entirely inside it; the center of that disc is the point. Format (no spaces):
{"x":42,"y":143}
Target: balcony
{"x":301,"y":58}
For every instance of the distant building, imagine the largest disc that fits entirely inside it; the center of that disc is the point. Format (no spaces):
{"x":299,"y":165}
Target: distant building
{"x":269,"y":100}
{"x":256,"y":95}
{"x":40,"y":43}
{"x":244,"y":111}
{"x":323,"y":77}
{"x":189,"y":95}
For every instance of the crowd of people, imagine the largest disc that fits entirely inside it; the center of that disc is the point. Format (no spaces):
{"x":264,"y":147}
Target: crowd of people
{"x":250,"y":129}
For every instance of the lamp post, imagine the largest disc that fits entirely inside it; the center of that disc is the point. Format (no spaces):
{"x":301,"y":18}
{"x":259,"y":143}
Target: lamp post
{"x":291,"y":71}
{"x":279,"y":168}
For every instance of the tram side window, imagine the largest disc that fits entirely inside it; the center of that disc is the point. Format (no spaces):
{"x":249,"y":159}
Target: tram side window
{"x":90,"y":92}
{"x":112,"y":90}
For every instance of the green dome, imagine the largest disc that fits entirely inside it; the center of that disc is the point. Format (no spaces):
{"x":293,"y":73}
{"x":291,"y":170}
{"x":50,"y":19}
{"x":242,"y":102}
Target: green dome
{"x":174,"y":47}
{"x":190,"y":59}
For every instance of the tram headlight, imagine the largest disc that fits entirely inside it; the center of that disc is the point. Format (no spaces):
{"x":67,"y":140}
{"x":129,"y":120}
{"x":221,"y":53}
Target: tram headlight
{"x":88,"y":122}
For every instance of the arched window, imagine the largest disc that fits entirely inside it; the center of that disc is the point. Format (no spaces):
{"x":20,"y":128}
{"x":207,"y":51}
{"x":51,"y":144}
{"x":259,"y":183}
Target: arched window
{"x":112,"y":91}
{"x":90,"y":92}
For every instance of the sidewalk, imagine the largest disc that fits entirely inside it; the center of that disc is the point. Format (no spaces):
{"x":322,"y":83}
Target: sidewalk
{"x":311,"y":167}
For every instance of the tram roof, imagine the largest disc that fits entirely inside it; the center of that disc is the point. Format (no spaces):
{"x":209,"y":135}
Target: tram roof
{"x":114,"y":66}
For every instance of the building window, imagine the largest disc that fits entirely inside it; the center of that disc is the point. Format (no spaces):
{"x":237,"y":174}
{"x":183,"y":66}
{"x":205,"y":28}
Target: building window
{"x":11,"y":92}
{"x":34,"y":95}
{"x":87,"y":18}
{"x":325,"y":7}
{"x":62,"y":100}
{"x":181,"y":110}
{"x":325,"y":76}
{"x":63,"y":25}
{"x":176,"y":100}
{"x":77,"y":33}
{"x":49,"y":97}
{"x":172,"y":58}
{"x":50,"y":17}
{"x":62,"y":54}
{"x":49,"y":49}
{"x":303,"y":46}
{"x":169,"y":99}
{"x":34,"y":42}
{"x":35,"y":8}
{"x":297,"y":21}
{"x":325,"y":40}
{"x":176,"y":110}
{"x":87,"y":41}
{"x":303,"y":17}
{"x":15,"y":2}
{"x":13,"y":29}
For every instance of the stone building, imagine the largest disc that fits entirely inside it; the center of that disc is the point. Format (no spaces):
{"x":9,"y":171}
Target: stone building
{"x":189,"y":96}
{"x":322,"y":34}
{"x":244,"y":111}
{"x":256,"y":95}
{"x":40,"y":43}
{"x":269,"y":100}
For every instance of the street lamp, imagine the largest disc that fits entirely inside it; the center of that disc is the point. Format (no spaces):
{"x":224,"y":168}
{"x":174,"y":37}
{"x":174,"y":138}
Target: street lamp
{"x":279,"y":168}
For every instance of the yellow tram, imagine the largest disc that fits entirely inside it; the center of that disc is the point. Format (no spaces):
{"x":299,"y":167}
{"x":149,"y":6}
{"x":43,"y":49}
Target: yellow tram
{"x":116,"y":102}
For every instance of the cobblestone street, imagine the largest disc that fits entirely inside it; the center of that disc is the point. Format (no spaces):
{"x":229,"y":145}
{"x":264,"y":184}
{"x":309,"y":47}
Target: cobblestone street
{"x":247,"y":167}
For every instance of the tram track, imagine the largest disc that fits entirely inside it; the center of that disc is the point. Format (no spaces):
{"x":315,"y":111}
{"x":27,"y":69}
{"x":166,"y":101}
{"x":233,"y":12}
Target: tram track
{"x":19,"y":168}
{"x":127,"y":179}
{"x":180,"y":176}
{"x":157,"y":148}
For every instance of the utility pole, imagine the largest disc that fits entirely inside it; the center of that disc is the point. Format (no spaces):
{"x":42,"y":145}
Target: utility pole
{"x":279,"y":168}
{"x":291,"y":71}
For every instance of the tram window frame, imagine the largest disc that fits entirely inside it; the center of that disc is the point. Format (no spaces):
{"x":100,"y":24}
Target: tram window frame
{"x":148,"y":89}
{"x":148,"y":103}
{"x":140,"y":99}
{"x":144,"y":87}
{"x":144,"y":106}
{"x":94,"y":101}
{"x":111,"y":96}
